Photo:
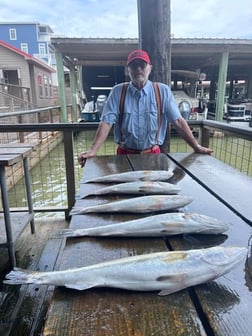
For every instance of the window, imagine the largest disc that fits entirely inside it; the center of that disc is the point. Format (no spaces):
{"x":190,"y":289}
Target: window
{"x":13,"y":34}
{"x":42,"y":29}
{"x":42,"y":49}
{"x":24,"y":47}
{"x":50,"y":87}
{"x":46,"y":85}
{"x":40,"y":85}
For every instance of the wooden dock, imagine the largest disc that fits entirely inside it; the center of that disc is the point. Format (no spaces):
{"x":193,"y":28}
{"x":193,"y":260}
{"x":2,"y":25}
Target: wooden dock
{"x":216,"y":308}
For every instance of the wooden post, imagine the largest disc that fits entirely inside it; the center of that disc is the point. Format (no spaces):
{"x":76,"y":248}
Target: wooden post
{"x":155,"y":38}
{"x":221,"y":86}
{"x":61,"y":81}
{"x":75,"y":113}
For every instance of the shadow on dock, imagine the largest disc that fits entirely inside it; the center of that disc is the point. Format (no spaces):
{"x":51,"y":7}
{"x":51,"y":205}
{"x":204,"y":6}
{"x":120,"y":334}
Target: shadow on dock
{"x":23,"y":308}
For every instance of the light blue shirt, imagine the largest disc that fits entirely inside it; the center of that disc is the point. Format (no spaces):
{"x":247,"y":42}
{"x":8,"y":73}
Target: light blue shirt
{"x":140,"y":117}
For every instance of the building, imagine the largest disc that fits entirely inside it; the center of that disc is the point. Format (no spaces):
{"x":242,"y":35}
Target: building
{"x":25,"y":81}
{"x":30,"y":37}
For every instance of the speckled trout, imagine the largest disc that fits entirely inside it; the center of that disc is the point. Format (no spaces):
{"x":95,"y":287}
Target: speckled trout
{"x":154,"y":226}
{"x":137,"y":188}
{"x":167,"y":272}
{"x":131,"y":176}
{"x":142,"y":204}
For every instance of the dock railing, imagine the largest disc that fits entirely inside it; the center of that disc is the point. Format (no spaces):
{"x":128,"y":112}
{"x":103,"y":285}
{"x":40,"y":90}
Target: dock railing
{"x":55,"y":177}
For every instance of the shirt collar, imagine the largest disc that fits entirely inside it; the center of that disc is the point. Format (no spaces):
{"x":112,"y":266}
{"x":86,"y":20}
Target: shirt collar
{"x":145,"y":90}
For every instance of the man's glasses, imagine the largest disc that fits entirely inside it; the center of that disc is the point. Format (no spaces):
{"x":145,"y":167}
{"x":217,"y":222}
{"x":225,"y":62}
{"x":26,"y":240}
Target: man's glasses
{"x":138,"y":63}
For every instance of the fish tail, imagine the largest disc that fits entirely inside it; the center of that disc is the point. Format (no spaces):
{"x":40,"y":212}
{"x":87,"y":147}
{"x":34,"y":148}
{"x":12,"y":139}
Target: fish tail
{"x":75,"y":211}
{"x":19,"y":276}
{"x":64,"y":233}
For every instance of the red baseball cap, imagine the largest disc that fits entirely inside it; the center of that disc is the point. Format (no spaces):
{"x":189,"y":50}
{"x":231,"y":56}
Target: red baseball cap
{"x":138,"y":54}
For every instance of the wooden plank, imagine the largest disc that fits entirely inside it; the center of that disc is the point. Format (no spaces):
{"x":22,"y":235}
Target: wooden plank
{"x":16,"y":145}
{"x":19,"y":221}
{"x":102,"y":311}
{"x":226,"y":303}
{"x":23,"y":308}
{"x":231,"y":186}
{"x":9,"y":159}
{"x":24,"y":151}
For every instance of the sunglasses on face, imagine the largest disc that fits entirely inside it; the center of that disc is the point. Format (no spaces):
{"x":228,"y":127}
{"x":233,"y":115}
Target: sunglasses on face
{"x":138,"y":63}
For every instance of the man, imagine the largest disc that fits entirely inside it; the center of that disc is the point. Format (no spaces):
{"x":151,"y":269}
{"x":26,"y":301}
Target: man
{"x":139,"y":127}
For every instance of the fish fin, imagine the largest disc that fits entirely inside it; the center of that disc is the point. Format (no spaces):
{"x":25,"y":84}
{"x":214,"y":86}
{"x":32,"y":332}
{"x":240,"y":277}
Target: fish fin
{"x":164,"y":292}
{"x":79,"y":286}
{"x":75,"y":211}
{"x":172,"y":277}
{"x":173,"y":280}
{"x":64,"y":233}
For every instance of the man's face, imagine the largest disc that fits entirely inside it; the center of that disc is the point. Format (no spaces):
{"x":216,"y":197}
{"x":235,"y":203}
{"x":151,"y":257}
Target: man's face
{"x":139,"y":71}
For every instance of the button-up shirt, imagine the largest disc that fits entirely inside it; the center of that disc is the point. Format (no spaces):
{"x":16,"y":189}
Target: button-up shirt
{"x":139,"y":126}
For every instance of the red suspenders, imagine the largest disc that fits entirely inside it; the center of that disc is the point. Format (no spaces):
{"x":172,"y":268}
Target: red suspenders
{"x":159,"y":106}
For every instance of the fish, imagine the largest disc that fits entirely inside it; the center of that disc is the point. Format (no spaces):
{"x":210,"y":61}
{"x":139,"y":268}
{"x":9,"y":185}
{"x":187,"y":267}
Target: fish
{"x":166,"y":272}
{"x":173,"y":223}
{"x":131,"y":176}
{"x":137,"y":188}
{"x":142,"y":204}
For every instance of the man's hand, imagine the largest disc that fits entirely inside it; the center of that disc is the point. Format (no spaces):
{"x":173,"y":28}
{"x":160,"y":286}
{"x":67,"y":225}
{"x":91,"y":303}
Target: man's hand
{"x":203,"y":150}
{"x":185,"y":132}
{"x":84,"y":156}
{"x":101,"y":135}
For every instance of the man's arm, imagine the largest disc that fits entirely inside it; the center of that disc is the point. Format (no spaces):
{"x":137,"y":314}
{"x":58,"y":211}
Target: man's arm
{"x":101,"y":135}
{"x":185,"y":133}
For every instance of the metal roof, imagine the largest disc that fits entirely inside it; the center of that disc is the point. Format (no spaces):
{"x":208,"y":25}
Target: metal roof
{"x":187,"y":53}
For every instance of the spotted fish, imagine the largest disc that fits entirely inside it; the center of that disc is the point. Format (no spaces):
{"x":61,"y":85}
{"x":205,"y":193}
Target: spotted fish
{"x":137,"y":188}
{"x":143,"y":204}
{"x":167,"y":272}
{"x":154,"y":226}
{"x":131,"y":176}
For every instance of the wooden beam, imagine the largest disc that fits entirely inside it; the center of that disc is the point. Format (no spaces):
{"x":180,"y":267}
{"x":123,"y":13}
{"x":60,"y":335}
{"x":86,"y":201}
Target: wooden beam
{"x":154,"y":36}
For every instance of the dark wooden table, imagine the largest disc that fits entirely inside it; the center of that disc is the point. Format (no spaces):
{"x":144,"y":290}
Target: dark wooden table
{"x":220,"y":307}
{"x":11,"y":154}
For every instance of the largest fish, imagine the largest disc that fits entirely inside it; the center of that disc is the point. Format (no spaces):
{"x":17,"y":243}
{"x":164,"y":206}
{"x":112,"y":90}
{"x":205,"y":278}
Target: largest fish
{"x":154,"y":226}
{"x":131,"y":176}
{"x":141,"y":204}
{"x":167,"y":272}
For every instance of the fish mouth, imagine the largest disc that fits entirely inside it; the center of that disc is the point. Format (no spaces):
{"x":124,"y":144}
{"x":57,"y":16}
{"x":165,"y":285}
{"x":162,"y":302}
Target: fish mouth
{"x":210,"y":223}
{"x":231,"y":255}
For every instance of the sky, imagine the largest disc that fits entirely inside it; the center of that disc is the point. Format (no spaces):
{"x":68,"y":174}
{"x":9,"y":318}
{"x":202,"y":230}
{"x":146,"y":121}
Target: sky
{"x":115,"y":18}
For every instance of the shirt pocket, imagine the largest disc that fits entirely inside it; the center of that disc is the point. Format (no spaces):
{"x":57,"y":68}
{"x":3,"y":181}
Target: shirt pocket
{"x":152,"y":118}
{"x":127,"y":123}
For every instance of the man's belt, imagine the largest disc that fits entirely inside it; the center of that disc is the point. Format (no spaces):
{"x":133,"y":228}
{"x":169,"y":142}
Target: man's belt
{"x":140,"y":151}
